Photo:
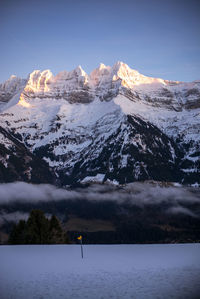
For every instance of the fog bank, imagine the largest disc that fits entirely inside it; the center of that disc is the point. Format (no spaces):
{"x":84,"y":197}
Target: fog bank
{"x":137,"y":193}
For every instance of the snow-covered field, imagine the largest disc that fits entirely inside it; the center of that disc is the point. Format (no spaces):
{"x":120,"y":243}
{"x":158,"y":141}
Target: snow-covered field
{"x":107,"y":271}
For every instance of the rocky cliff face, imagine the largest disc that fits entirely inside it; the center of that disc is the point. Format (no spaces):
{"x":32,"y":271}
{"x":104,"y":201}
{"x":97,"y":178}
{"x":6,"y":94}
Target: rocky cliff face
{"x":17,"y":163}
{"x":114,"y":124}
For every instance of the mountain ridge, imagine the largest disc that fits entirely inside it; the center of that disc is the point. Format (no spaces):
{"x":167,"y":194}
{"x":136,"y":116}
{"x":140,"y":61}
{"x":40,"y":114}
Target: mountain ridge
{"x":103,"y":82}
{"x":115,"y":123}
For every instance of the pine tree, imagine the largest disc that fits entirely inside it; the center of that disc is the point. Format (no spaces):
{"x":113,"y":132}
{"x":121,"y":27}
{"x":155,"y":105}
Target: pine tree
{"x":18,"y":234}
{"x":38,"y":230}
{"x":57,"y":235}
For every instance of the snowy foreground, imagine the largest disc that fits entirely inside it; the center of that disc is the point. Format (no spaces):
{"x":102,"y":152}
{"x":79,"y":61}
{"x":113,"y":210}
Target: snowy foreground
{"x":107,"y":271}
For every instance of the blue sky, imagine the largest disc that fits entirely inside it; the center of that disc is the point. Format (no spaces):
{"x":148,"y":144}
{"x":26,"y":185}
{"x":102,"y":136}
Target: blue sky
{"x":158,"y":38}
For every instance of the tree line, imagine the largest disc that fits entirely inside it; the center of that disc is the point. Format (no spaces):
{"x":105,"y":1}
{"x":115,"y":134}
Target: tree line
{"x":38,"y":229}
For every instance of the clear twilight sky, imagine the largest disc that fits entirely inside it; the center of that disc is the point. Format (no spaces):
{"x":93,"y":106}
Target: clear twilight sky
{"x":156,"y":37}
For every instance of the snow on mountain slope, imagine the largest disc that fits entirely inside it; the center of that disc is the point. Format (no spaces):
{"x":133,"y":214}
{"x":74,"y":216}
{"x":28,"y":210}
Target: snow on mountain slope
{"x":114,"y":122}
{"x":10,"y":91}
{"x":174,"y":123}
{"x":18,"y":163}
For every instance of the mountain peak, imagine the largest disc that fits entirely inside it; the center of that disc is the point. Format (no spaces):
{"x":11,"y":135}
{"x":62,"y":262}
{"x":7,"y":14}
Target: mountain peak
{"x":119,"y":64}
{"x":38,"y":80}
{"x":121,"y":68}
{"x":13,"y":77}
{"x":102,"y":66}
{"x":80,"y":71}
{"x":12,"y":84}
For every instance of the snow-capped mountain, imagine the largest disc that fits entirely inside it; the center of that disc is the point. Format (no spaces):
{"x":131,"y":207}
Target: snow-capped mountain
{"x":114,"y":124}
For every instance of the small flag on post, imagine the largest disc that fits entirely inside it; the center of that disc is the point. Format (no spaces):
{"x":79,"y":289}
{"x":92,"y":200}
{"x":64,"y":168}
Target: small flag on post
{"x":80,"y":239}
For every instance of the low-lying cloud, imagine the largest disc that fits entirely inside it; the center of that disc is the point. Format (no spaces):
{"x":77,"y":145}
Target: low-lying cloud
{"x":137,"y":193}
{"x":181,"y":210}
